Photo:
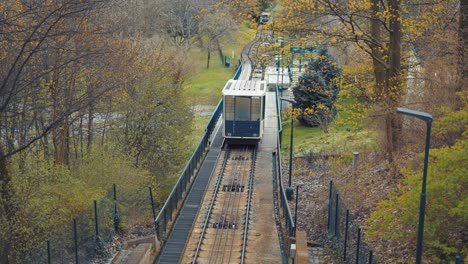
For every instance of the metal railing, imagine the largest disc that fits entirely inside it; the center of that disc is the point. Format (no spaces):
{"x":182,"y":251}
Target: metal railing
{"x":166,"y":214}
{"x":89,"y":237}
{"x":278,"y":111}
{"x":239,"y":71}
{"x":284,"y":201}
{"x":343,"y":234}
{"x":287,"y":214}
{"x":278,"y":181}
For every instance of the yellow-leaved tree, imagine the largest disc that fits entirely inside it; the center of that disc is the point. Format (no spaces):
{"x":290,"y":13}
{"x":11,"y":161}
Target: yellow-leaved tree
{"x":387,"y":32}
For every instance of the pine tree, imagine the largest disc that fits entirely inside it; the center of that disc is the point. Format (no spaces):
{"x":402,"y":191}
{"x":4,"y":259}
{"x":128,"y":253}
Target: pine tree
{"x":317,"y":91}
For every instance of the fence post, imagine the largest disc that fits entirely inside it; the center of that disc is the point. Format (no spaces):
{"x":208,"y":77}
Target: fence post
{"x":152,"y":209}
{"x":355,"y":160}
{"x":49,"y":260}
{"x":75,"y":232}
{"x":295,"y":213}
{"x":96,"y":218}
{"x":329,"y":207}
{"x":370,"y":256}
{"x":171,"y":206}
{"x":346,"y":235}
{"x":116,"y":213}
{"x":158,"y":231}
{"x":358,"y":245}
{"x":177,"y":193}
{"x":165,"y":220}
{"x":337,"y":233}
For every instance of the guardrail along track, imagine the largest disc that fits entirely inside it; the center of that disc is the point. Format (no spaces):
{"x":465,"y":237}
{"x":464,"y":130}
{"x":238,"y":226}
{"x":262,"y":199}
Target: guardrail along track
{"x":224,"y":234}
{"x":253,"y":53}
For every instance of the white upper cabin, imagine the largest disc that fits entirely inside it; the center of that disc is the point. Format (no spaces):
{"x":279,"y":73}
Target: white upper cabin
{"x":245,"y":88}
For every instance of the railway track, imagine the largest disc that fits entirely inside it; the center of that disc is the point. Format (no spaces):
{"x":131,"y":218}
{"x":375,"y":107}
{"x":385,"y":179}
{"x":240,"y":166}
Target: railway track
{"x":253,"y":52}
{"x":224,"y":233}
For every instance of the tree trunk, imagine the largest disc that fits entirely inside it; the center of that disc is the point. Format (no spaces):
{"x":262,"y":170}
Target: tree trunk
{"x":393,"y":86}
{"x":90,"y":119}
{"x":5,"y":208}
{"x":208,"y":60}
{"x":377,"y":55}
{"x":463,"y":44}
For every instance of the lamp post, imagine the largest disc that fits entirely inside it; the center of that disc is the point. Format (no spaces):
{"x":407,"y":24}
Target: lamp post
{"x":426,"y":117}
{"x":289,"y":189}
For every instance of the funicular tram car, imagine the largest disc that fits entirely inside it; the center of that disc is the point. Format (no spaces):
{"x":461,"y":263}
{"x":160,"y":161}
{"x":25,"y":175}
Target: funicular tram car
{"x":244,"y":111}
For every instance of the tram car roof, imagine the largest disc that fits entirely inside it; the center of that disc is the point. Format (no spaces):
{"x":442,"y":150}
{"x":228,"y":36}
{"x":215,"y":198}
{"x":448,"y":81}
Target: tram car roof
{"x":245,"y":88}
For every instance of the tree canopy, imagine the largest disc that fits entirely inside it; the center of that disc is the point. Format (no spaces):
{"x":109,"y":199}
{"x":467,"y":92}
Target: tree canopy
{"x":318,"y":90}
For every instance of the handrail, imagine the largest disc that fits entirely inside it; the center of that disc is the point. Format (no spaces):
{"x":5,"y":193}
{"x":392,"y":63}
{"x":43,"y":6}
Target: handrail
{"x":278,"y":111}
{"x":215,"y":116}
{"x":239,"y":70}
{"x":181,"y":185}
{"x":283,"y":198}
{"x":184,"y":179}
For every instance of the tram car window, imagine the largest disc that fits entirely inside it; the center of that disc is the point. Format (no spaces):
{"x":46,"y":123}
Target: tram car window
{"x":244,"y":109}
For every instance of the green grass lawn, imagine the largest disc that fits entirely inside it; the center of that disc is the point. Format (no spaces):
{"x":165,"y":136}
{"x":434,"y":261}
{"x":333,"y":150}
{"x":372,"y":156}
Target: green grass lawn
{"x":337,"y":140}
{"x":340,"y":138}
{"x":206,"y":85}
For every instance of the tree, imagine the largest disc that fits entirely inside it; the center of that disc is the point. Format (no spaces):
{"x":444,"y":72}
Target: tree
{"x":154,"y":116}
{"x":215,"y":24}
{"x":393,"y":225}
{"x":58,"y":60}
{"x":39,"y":59}
{"x":247,"y":10}
{"x":317,"y":91}
{"x":177,"y":19}
{"x":378,"y":29}
{"x":463,"y":43}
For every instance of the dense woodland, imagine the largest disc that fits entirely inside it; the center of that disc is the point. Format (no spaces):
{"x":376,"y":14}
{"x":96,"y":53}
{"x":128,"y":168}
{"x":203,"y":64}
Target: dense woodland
{"x":92,"y":93}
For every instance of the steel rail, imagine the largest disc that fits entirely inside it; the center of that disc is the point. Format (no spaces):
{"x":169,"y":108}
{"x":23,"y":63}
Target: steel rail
{"x":249,"y":199}
{"x":215,"y":247}
{"x":213,"y":198}
{"x":240,"y":176}
{"x":228,"y":205}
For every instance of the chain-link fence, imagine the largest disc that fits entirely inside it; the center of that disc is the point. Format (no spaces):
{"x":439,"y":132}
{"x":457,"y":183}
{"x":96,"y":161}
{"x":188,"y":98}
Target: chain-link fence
{"x":95,"y":234}
{"x":343,"y":234}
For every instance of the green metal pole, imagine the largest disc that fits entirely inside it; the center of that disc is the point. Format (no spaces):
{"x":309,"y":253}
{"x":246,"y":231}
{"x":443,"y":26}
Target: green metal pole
{"x":422,"y":205}
{"x":75,"y":233}
{"x":96,"y":221}
{"x":295,"y":210}
{"x":291,"y":146}
{"x":48,"y":253}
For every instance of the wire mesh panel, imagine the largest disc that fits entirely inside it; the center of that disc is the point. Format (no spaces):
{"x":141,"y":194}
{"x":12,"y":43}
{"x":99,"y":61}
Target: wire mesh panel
{"x":62,"y":245}
{"x":105,"y":217}
{"x":136,"y":213}
{"x":105,"y":227}
{"x":38,"y":255}
{"x":86,"y":235}
{"x":344,"y":235}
